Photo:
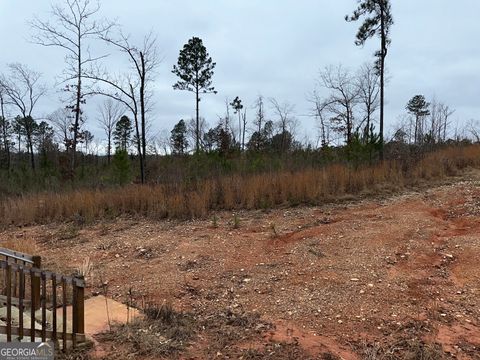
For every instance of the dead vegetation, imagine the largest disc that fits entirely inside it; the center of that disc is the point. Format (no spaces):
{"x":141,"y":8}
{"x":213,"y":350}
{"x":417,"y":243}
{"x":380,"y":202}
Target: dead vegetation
{"x":167,"y":333}
{"x":403,"y":343}
{"x":321,"y":283}
{"x":413,"y":349}
{"x":82,"y":352}
{"x":24,"y":244}
{"x":278,"y":351}
{"x":163,"y":332}
{"x":228,"y":329}
{"x":181,"y":200}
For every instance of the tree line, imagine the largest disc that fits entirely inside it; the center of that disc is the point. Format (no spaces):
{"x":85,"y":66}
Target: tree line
{"x":348,"y":115}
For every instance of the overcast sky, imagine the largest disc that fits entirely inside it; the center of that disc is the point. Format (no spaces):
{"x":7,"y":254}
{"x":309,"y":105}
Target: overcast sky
{"x":274,"y":48}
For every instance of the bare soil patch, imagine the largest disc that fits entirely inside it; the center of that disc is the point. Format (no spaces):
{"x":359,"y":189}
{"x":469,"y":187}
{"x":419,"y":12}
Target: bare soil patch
{"x":388,"y":278}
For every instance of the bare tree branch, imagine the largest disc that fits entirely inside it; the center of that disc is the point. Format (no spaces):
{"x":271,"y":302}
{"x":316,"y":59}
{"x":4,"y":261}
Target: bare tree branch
{"x":73,"y":26}
{"x":109,"y":112}
{"x":342,"y":100}
{"x":135,"y":94}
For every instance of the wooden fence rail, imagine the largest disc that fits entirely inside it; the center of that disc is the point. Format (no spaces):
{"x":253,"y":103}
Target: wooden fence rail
{"x":27,"y":261}
{"x":36,"y":302}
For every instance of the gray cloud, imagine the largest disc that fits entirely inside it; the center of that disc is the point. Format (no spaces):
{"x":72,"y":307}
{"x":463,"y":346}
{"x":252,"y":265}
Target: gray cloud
{"x":276,"y":48}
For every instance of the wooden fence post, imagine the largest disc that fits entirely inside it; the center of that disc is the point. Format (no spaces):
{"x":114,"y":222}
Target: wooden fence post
{"x":37,"y":263}
{"x":64,"y":314}
{"x":81,"y":309}
{"x":34,"y":298}
{"x":9,"y":302}
{"x":78,"y":308}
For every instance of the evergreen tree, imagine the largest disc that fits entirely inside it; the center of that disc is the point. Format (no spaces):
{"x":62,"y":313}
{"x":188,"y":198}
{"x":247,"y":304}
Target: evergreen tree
{"x":261,"y":139}
{"x":43,"y":136}
{"x":19,"y":132}
{"x":6,"y":131}
{"x":27,"y":127}
{"x":281,"y":142}
{"x":121,"y":167}
{"x":195,"y":70}
{"x":378,"y":21}
{"x":418,"y":107}
{"x":237,"y":106}
{"x":218,"y":139}
{"x":46,"y":147}
{"x":178,"y":138}
{"x":122,"y":133}
{"x":87,"y":138}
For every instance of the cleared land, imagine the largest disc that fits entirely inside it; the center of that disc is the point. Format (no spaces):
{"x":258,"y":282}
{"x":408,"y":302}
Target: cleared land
{"x":397,"y":275}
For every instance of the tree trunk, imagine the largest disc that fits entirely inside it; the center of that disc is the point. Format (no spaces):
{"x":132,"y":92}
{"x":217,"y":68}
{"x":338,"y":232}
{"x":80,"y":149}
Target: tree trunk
{"x":382,"y":75}
{"x":77,"y":108}
{"x":369,"y":114}
{"x":30,"y":149}
{"x":239,"y":129}
{"x":415,"y":137}
{"x":142,"y":112}
{"x":6,"y":144}
{"x":197,"y":124}
{"x":139,"y":146}
{"x":244,"y":128}
{"x":109,"y":148}
{"x":349,"y":126}
{"x":139,"y":150}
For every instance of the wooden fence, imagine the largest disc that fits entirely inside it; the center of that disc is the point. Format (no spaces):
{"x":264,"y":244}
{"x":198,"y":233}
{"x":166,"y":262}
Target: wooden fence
{"x":38,"y":302}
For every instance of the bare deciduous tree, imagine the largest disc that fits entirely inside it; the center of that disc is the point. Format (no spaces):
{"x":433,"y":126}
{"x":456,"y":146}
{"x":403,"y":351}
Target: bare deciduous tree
{"x":286,"y":121}
{"x":439,"y":120}
{"x":61,"y":119}
{"x":342,"y":100}
{"x":160,"y":143}
{"x":473,"y":127}
{"x":22,"y":90}
{"x":109,"y":112}
{"x":368,"y":85}
{"x":244,"y":128}
{"x":132,"y":89}
{"x":72,"y":26}
{"x":227,"y":123}
{"x":320,"y":112}
{"x":195,"y":129}
{"x":260,"y":113}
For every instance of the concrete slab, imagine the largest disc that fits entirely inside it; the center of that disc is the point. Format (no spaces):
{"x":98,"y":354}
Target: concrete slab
{"x":96,"y":318}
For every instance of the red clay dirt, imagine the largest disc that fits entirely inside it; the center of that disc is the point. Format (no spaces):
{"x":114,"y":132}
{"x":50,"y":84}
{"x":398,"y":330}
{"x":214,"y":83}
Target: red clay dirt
{"x":333,"y":279}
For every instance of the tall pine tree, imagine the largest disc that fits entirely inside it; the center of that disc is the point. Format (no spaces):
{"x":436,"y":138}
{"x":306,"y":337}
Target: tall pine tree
{"x":178,"y":138}
{"x":378,"y":20}
{"x":195,"y":70}
{"x":122,"y":133}
{"x":418,"y":107}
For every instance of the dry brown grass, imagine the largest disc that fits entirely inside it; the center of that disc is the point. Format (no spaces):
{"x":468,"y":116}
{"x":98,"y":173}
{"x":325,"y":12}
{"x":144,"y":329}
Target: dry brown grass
{"x":24,"y":244}
{"x":310,"y":186}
